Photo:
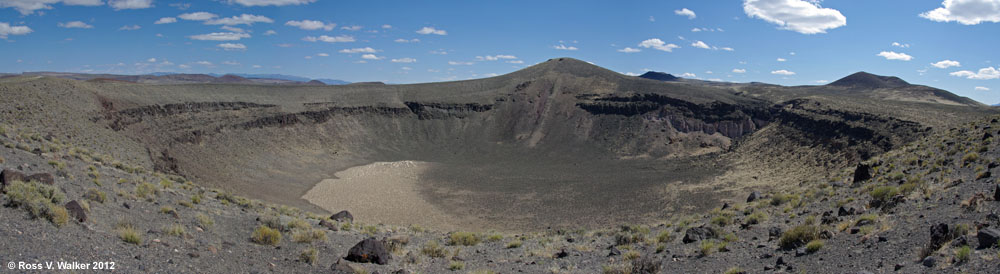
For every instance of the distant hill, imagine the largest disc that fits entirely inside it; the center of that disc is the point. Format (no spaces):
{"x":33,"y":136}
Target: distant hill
{"x":187,"y":78}
{"x":868,"y":80}
{"x":661,"y":76}
{"x":287,"y":77}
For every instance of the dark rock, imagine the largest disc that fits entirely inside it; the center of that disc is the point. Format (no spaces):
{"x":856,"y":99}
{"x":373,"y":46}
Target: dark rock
{"x":725,"y":206}
{"x":862,"y":173}
{"x":828,"y":218}
{"x":845,"y":211}
{"x":897,"y":267}
{"x":614,"y":252}
{"x":645,"y":265}
{"x":401,"y":271}
{"x":328,"y":225}
{"x":996,"y":193}
{"x":988,"y":237}
{"x":939,"y":235}
{"x":695,"y":234}
{"x":801,"y":252}
{"x":930,"y":261}
{"x":44,"y":178}
{"x":753,"y":196}
{"x":863,"y":222}
{"x":369,"y":251}
{"x":562,"y":254}
{"x":343,"y":216}
{"x":960,"y":241}
{"x":126,"y":205}
{"x":77,"y":211}
{"x":855,"y":230}
{"x":774,"y":232}
{"x":825,"y":234}
{"x":781,"y":261}
{"x":882,"y":238}
{"x":8,"y":176}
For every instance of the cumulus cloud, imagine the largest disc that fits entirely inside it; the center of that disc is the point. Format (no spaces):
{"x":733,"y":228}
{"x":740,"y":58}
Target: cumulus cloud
{"x":130,"y":4}
{"x":898,"y":44}
{"x":204,"y":63}
{"x":323,"y":54}
{"x":892,"y":55}
{"x":688,"y":75}
{"x":564,"y":47}
{"x":75,"y":25}
{"x":495,"y":57}
{"x":220,"y":36}
{"x":739,"y":71}
{"x":515,"y":62}
{"x":806,"y":17}
{"x":986,"y":73}
{"x":685,"y":12}
{"x":629,"y":50}
{"x":658,"y":44}
{"x":329,"y":39}
{"x":151,"y":60}
{"x":404,"y":60}
{"x":128,"y":27}
{"x":782,"y":59}
{"x":311,"y":25}
{"x":233,"y":29}
{"x":700,"y":44}
{"x":386,"y":26}
{"x":244,"y":19}
{"x":232,"y":46}
{"x":351,"y":28}
{"x":359,"y":50}
{"x":982,"y":89}
{"x":26,"y":7}
{"x":401,"y":40}
{"x":783,"y":72}
{"x":270,"y":32}
{"x":430,"y":30}
{"x":198,"y":16}
{"x":966,"y":12}
{"x":166,"y":20}
{"x":371,"y":57}
{"x":630,"y":73}
{"x":251,"y":3}
{"x":946,"y":64}
{"x":231,"y":63}
{"x":456,"y":63}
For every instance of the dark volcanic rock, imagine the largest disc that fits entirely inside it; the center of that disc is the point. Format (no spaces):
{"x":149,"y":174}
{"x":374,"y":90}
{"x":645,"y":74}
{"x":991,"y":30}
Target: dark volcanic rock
{"x":342,"y":216}
{"x":996,"y":193}
{"x":774,"y":232}
{"x":328,"y":225}
{"x":930,"y":261}
{"x":44,"y":178}
{"x":939,"y":235}
{"x":77,"y":211}
{"x":842,"y":211}
{"x":988,"y":237}
{"x":369,"y":251}
{"x":753,"y":196}
{"x":695,"y":234}
{"x":8,"y":176}
{"x":614,"y":252}
{"x":862,"y":173}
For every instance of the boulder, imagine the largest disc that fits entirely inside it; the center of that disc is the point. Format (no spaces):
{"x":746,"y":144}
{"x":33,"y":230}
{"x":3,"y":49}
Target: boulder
{"x":695,"y":234}
{"x":828,"y":218}
{"x":774,"y":232}
{"x":342,"y":216}
{"x":988,"y":237}
{"x":996,"y":193}
{"x":753,"y":196}
{"x":44,"y":178}
{"x":328,"y":225}
{"x":845,"y":211}
{"x":8,"y":176}
{"x":614,"y":252}
{"x":939,"y":235}
{"x":369,"y":251}
{"x":930,"y":261}
{"x":77,"y":211}
{"x":862,"y":173}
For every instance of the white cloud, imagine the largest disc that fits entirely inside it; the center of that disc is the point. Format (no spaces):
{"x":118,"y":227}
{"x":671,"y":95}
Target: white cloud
{"x":439,"y":52}
{"x":130,"y":4}
{"x":727,"y":49}
{"x":629,"y":50}
{"x":166,"y":20}
{"x":204,"y":63}
{"x":311,"y":25}
{"x":700,"y":44}
{"x":386,"y":26}
{"x":371,"y":57}
{"x":323,"y":54}
{"x":351,"y":28}
{"x":251,"y":3}
{"x":455,"y":63}
{"x":243,"y":19}
{"x":401,"y":40}
{"x":805,"y":17}
{"x":782,"y":72}
{"x":359,"y":50}
{"x":658,"y":44}
{"x":630,"y":73}
{"x":782,"y":59}
{"x":685,"y":12}
{"x":151,"y":60}
{"x":183,"y":66}
{"x":986,"y":73}
{"x":128,"y":27}
{"x":515,"y":62}
{"x":821,"y":81}
{"x":233,"y":29}
{"x":26,"y":7}
{"x":232,"y":46}
{"x":308,"y":57}
{"x":198,"y":16}
{"x":6,"y":29}
{"x":231,"y":63}
{"x":181,"y":6}
{"x":688,"y":75}
{"x":982,"y":89}
{"x":270,"y":32}
{"x":892,"y":55}
{"x":564,"y":47}
{"x":75,"y":24}
{"x":256,"y":66}
{"x":946,"y":64}
{"x":652,"y":19}
{"x":404,"y":60}
{"x":495,"y":57}
{"x":430,"y":30}
{"x":739,"y":71}
{"x":966,"y":12}
{"x":898,"y":44}
{"x":220,"y":36}
{"x":329,"y":39}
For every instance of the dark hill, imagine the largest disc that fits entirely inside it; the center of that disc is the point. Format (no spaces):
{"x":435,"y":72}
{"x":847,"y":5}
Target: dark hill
{"x":655,"y":75}
{"x":868,"y":80}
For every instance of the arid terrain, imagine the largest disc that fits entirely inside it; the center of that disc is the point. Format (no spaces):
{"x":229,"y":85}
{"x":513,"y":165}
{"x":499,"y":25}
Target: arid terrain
{"x":561,"y":167}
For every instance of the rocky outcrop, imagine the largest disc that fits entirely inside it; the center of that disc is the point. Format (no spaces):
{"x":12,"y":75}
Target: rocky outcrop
{"x":695,"y":234}
{"x":727,"y":119}
{"x":77,"y":211}
{"x":342,"y":216}
{"x":123,"y":118}
{"x":428,"y":111}
{"x":369,"y":250}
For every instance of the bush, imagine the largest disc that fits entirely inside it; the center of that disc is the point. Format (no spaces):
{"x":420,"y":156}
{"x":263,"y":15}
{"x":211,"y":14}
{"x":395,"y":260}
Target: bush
{"x":707,"y":247}
{"x":40,"y":200}
{"x":58,"y":215}
{"x":308,"y":236}
{"x":780,"y":199}
{"x":514,"y":244}
{"x":971,"y":157}
{"x":757,"y":217}
{"x":736,"y":270}
{"x":456,"y":265}
{"x":631,"y":255}
{"x":883,"y":193}
{"x":663,"y":237}
{"x":962,"y":254}
{"x":266,"y":236}
{"x":95,"y":195}
{"x":495,"y":237}
{"x":204,"y":221}
{"x":145,"y":190}
{"x":128,"y":233}
{"x":174,"y":230}
{"x":720,"y":220}
{"x":814,"y":245}
{"x":463,"y":238}
{"x":309,"y":255}
{"x":798,"y":236}
{"x":433,"y":249}
{"x":298,"y":224}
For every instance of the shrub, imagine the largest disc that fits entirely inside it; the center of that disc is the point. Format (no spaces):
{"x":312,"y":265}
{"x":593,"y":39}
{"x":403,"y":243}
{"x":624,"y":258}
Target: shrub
{"x":266,"y":236}
{"x":308,"y":236}
{"x":128,"y":233}
{"x":58,"y":215}
{"x":707,"y":247}
{"x":757,"y":217}
{"x":185,"y":204}
{"x":720,"y":220}
{"x":196,"y":199}
{"x":204,"y":221}
{"x":175,"y":230}
{"x":814,"y":245}
{"x":167,"y":210}
{"x":463,"y":238}
{"x":663,"y":237}
{"x":631,"y":255}
{"x":145,"y":190}
{"x":95,"y":195}
{"x":495,"y":237}
{"x":970,"y":157}
{"x":456,"y":265}
{"x":433,"y":249}
{"x":514,"y":244}
{"x":798,"y":236}
{"x":40,"y":200}
{"x":309,"y":255}
{"x":883,"y":193}
{"x":780,"y":199}
{"x":962,"y":254}
{"x":298,"y":224}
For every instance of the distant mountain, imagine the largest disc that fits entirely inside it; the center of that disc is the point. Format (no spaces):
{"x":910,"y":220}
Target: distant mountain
{"x":868,"y":80}
{"x":655,"y":75}
{"x":287,"y":77}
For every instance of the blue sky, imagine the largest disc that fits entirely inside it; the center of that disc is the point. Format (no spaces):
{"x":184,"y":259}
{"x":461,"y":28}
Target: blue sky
{"x":949,"y":44}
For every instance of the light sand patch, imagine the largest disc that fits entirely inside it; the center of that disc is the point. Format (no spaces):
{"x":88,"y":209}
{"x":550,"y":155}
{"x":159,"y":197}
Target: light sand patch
{"x":387,"y":193}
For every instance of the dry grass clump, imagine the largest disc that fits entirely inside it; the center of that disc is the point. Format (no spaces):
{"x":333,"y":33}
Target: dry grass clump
{"x":40,"y":200}
{"x":266,"y":236}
